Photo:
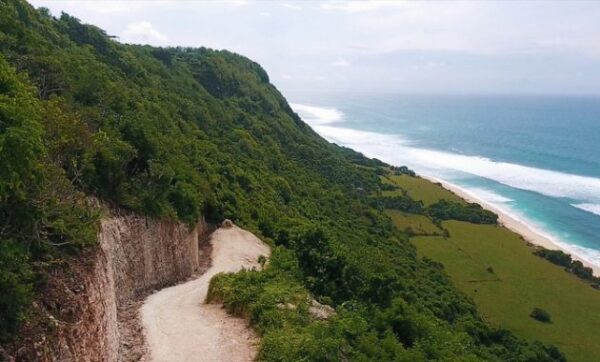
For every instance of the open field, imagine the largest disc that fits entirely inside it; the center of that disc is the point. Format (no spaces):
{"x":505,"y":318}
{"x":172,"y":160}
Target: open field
{"x":496,"y":268}
{"x":520,"y":282}
{"x":419,"y":224}
{"x":421,"y":189}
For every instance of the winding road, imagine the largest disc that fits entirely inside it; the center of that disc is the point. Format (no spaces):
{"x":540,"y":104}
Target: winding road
{"x":179,"y":326}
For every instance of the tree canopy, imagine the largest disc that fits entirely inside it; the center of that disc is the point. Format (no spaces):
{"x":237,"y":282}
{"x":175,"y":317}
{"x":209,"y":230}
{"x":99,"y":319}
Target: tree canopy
{"x":185,"y":133}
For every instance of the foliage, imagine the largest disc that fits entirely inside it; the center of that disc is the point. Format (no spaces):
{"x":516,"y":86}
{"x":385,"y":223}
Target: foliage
{"x":520,"y":282}
{"x":557,"y":257}
{"x":413,"y":224}
{"x":563,"y":259}
{"x":16,"y":280}
{"x":40,"y":210}
{"x":473,"y":213}
{"x":402,"y":170}
{"x":186,"y":133}
{"x":403,"y":203}
{"x":420,"y":189}
{"x":540,"y":315}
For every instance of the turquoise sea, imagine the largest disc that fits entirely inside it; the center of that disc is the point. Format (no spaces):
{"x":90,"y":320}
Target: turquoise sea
{"x":536,"y":158}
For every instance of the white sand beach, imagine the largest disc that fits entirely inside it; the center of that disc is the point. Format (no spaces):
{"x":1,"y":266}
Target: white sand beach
{"x":529,"y":233}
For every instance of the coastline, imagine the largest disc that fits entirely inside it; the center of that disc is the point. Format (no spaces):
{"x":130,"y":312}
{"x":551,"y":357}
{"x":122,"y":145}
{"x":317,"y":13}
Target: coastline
{"x":528,"y":233}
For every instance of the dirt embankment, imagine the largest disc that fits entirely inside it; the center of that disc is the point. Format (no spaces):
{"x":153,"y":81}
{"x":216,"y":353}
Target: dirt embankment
{"x":179,"y":326}
{"x":88,"y":308}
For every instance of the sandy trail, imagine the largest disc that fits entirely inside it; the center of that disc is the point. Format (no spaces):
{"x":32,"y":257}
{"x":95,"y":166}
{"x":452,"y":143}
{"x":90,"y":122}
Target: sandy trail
{"x":179,"y":326}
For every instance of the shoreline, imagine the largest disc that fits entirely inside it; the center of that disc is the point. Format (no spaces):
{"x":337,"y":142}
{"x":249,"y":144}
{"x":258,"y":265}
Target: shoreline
{"x":528,"y":233}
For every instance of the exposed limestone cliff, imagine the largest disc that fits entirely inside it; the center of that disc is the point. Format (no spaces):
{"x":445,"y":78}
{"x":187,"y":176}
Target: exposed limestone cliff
{"x":87,"y":301}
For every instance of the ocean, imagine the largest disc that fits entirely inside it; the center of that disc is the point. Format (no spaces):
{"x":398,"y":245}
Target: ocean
{"x":535,"y":158}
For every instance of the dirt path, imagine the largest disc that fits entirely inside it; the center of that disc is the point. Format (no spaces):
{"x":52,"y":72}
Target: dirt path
{"x":179,"y":326}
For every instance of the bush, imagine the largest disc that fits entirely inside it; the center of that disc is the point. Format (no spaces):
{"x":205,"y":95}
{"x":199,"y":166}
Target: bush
{"x":16,"y":281}
{"x":540,"y":315}
{"x":565,"y":260}
{"x":388,"y":187}
{"x":403,"y":170}
{"x":557,"y":257}
{"x":403,"y":203}
{"x":474,"y":213}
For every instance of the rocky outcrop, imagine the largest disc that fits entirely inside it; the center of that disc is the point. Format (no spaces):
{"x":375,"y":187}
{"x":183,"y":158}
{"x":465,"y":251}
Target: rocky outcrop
{"x":316,"y":310}
{"x":320,"y":311}
{"x":80,"y":316}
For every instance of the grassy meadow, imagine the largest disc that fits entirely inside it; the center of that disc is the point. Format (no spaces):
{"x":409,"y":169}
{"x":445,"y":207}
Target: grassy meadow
{"x":420,"y":189}
{"x":419,"y":224}
{"x":497,"y":269}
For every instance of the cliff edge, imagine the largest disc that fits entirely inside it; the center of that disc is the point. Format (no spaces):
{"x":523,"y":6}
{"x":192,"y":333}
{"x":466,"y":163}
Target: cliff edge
{"x":89,"y":302}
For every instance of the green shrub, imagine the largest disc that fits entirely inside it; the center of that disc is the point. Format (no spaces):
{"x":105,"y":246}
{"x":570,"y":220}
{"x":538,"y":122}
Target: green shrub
{"x":557,"y":257}
{"x":474,"y":213}
{"x":16,"y":286}
{"x":565,"y":260}
{"x":540,"y":315}
{"x":403,"y":203}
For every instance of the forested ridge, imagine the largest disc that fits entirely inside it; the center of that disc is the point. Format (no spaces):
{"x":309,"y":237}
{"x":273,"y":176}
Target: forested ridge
{"x":186,"y":133}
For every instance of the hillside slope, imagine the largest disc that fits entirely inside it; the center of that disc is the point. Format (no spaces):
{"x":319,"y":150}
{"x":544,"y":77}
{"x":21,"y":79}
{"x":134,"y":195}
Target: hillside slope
{"x":181,"y":133}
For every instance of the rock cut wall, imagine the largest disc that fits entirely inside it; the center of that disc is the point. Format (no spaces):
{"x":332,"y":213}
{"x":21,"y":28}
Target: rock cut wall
{"x":82,"y":301}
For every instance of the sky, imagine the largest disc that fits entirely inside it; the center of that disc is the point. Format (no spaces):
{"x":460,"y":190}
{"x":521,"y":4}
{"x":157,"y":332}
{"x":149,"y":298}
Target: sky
{"x":433,"y":47}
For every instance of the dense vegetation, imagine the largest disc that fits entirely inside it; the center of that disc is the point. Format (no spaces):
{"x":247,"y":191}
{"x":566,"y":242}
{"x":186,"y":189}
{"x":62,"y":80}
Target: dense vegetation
{"x":183,"y":133}
{"x":474,"y":213}
{"x":563,"y":259}
{"x":40,"y":209}
{"x":402,"y":203}
{"x":402,"y":170}
{"x":439,"y":211}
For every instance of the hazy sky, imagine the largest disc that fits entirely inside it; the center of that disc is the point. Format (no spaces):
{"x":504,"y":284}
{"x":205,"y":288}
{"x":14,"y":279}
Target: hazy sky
{"x":420,"y":47}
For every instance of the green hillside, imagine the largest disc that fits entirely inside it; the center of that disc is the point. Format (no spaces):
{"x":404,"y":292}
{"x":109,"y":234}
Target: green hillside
{"x":185,"y":133}
{"x":498,"y":270}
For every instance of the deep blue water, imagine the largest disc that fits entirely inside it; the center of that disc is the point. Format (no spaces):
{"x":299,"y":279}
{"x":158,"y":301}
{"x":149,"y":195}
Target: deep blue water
{"x":536,"y":157}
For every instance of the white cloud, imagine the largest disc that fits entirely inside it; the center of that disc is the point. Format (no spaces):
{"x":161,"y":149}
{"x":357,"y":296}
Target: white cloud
{"x":236,"y":3}
{"x":292,"y":6}
{"x":341,"y":62}
{"x":424,"y":44}
{"x":142,"y":32}
{"x":98,"y":7}
{"x":430,"y":64}
{"x":363,"y":6}
{"x":107,"y":7}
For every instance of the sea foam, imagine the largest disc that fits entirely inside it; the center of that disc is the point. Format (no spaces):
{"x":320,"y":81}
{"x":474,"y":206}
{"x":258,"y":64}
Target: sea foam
{"x":490,"y":196}
{"x":317,"y":115}
{"x":584,"y":191}
{"x":398,"y":151}
{"x":593,"y":208}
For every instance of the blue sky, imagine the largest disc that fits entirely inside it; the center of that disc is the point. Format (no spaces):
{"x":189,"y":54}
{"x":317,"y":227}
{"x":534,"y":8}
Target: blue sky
{"x":378,"y":46}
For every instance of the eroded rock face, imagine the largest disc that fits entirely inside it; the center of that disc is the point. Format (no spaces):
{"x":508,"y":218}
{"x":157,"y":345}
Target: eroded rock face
{"x":320,"y":311}
{"x":79,"y":317}
{"x":316,"y":310}
{"x":147,"y":254}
